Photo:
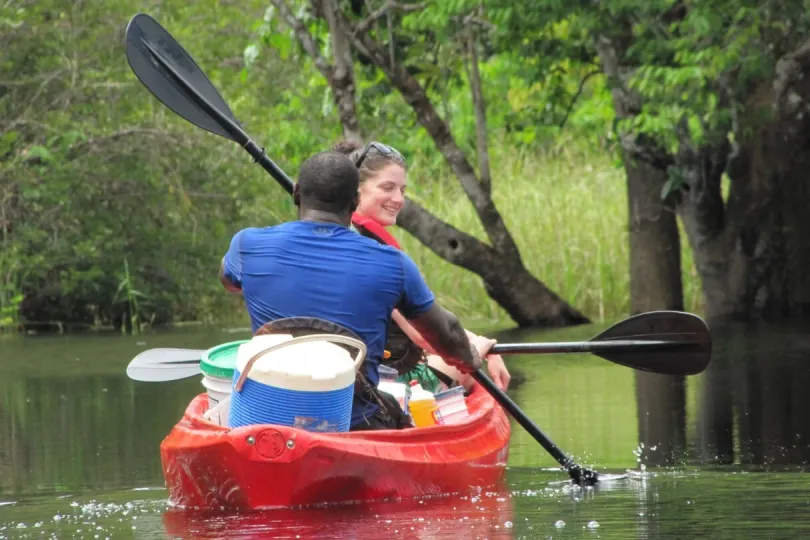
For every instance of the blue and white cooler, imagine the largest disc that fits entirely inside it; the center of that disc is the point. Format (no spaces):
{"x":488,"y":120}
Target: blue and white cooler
{"x":305,"y":382}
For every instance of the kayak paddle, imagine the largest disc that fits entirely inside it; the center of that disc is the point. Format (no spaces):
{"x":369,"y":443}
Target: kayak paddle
{"x":667,"y":342}
{"x":578,"y":474}
{"x":171,"y":74}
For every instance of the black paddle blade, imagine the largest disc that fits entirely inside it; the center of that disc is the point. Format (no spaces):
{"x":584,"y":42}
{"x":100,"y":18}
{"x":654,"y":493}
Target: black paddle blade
{"x":688,"y":351}
{"x":163,"y":66}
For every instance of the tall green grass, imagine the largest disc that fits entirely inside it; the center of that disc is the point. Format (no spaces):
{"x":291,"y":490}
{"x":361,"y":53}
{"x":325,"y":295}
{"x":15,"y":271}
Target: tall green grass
{"x":566,"y":207}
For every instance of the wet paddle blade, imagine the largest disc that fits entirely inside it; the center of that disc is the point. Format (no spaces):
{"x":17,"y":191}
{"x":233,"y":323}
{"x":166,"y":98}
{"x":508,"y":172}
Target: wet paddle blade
{"x":667,"y":342}
{"x":167,"y":70}
{"x":685,"y":344}
{"x":159,"y":365}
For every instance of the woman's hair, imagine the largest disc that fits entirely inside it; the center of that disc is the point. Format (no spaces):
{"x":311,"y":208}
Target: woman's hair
{"x":374,"y":161}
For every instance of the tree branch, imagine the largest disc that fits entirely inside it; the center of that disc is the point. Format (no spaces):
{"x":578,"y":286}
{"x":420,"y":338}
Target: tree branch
{"x":790,"y":69}
{"x":306,"y":40}
{"x":627,"y":104}
{"x":342,"y":75}
{"x":577,"y":94}
{"x":480,"y":106}
{"x":390,"y":5}
{"x":92,"y":143}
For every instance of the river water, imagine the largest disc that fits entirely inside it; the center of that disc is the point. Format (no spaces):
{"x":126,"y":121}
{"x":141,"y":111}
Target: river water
{"x":720,"y":455}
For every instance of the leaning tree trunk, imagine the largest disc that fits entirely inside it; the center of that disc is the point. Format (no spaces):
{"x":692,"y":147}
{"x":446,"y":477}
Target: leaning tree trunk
{"x":506,"y":280}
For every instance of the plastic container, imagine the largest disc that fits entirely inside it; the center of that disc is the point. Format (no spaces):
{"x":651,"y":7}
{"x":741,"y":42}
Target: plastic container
{"x":398,"y":390}
{"x":217,"y":365}
{"x":422,"y":406}
{"x":388,"y":374}
{"x":306,"y":382}
{"x":452,"y":405}
{"x":389,"y":384}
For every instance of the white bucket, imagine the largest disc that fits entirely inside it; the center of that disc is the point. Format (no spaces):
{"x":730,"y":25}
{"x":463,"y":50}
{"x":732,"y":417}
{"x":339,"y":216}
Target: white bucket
{"x":219,"y":392}
{"x":217,"y":368}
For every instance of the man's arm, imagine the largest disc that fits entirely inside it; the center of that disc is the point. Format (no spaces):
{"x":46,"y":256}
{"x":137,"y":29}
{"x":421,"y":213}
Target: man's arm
{"x":444,"y":332}
{"x":230,"y":270}
{"x":411,"y":332}
{"x":227,"y":283}
{"x":440,"y":328}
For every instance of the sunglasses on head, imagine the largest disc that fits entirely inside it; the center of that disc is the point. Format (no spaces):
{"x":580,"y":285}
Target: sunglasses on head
{"x":383,"y":149}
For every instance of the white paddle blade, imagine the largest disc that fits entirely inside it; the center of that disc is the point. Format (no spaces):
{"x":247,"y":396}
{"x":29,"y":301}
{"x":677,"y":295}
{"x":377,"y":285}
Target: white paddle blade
{"x":162,"y":372}
{"x":157,"y":365}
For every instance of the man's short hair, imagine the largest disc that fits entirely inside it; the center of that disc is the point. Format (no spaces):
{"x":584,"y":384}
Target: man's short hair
{"x":328,"y":181}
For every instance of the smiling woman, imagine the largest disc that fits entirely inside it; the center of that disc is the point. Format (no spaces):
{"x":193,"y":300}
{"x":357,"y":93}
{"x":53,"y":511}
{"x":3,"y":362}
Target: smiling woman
{"x":383,"y":196}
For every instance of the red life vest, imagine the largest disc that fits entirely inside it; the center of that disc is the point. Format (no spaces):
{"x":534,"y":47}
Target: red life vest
{"x":376,"y":229}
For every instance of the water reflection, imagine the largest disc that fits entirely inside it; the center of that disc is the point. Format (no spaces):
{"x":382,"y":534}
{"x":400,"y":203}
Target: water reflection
{"x":753,"y":403}
{"x":487,"y":515}
{"x":661,"y":403}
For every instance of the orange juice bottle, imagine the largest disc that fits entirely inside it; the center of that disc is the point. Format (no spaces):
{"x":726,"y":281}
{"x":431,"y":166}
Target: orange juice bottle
{"x":422,"y":406}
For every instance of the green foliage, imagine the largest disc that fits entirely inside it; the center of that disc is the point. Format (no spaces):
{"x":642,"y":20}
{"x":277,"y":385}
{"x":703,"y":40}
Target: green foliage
{"x":95,"y":172}
{"x":696,"y":67}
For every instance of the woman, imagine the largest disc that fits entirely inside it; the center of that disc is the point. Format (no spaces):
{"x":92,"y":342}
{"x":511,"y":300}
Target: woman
{"x":383,"y":181}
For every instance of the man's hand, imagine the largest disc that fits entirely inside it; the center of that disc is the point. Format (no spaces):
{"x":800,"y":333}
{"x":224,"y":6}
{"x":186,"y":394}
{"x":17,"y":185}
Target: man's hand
{"x":479,"y":346}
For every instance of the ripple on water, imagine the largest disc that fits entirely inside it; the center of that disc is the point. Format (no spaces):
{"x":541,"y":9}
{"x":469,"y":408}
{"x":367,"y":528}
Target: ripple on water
{"x":663,"y":504}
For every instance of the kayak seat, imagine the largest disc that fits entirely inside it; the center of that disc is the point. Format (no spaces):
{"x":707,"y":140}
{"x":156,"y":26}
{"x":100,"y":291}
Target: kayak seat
{"x":304,"y":326}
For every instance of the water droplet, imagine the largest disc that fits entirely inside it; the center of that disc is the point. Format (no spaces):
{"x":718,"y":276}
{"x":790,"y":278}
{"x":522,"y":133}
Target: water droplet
{"x":593,"y":524}
{"x":559,"y":524}
{"x":508,"y":524}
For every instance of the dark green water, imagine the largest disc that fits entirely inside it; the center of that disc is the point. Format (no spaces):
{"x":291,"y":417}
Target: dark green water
{"x":722,"y":456}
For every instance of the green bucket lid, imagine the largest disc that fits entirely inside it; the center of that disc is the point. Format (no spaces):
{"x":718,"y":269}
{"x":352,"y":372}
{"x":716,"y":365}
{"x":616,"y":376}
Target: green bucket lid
{"x":220,"y":361}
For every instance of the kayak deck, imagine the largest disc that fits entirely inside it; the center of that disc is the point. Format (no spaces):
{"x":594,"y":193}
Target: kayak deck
{"x":268,"y":466}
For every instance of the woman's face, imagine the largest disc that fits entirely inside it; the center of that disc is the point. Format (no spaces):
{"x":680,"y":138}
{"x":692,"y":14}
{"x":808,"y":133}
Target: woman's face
{"x":383,"y":195}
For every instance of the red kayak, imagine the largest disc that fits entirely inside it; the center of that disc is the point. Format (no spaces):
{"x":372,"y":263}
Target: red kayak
{"x":207,"y":466}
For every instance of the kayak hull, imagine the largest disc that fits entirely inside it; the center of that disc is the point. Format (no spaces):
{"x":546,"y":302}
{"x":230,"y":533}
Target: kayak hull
{"x":207,"y":466}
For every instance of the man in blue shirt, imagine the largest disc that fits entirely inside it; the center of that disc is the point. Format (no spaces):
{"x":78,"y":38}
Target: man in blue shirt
{"x":318,"y":267}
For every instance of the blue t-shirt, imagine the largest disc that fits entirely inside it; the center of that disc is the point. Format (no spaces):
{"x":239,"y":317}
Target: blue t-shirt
{"x":325,"y":270}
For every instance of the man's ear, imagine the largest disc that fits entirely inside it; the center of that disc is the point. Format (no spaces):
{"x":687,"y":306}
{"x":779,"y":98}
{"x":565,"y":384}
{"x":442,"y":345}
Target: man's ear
{"x":296,"y":195}
{"x":355,"y":202}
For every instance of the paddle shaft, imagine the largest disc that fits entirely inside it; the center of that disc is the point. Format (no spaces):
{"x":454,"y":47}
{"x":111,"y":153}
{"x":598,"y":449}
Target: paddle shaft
{"x":615,"y":346}
{"x":577,"y":473}
{"x":238,"y":135}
